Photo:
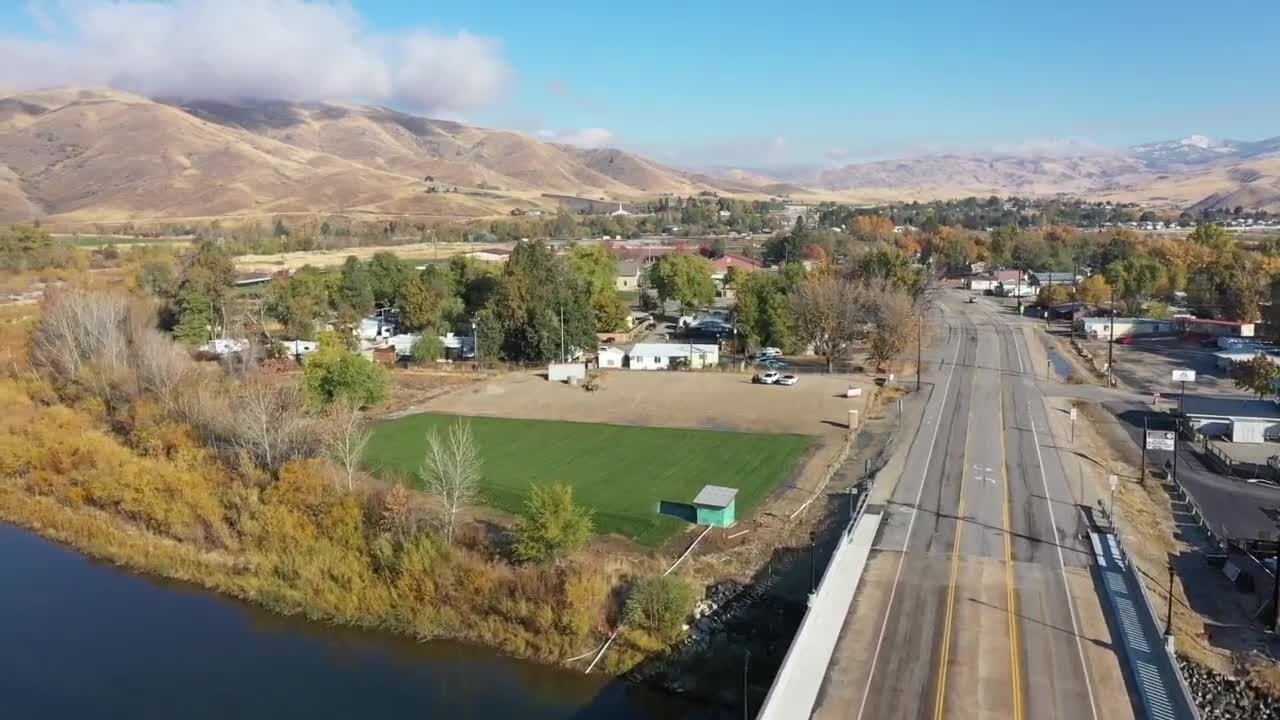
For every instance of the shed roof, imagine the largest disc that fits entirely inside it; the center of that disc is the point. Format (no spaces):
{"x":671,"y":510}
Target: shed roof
{"x":1230,"y":407}
{"x":715,"y":496}
{"x":672,"y":349}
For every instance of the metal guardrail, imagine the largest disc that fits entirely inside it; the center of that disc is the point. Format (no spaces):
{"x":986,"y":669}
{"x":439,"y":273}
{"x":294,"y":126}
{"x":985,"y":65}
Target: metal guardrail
{"x":1150,"y":668}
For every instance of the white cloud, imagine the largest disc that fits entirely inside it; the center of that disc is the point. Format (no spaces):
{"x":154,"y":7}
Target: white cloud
{"x":229,"y":49}
{"x":583,"y":137}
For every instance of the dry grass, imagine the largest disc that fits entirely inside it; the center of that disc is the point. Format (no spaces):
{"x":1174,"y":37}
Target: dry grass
{"x":334,"y":258}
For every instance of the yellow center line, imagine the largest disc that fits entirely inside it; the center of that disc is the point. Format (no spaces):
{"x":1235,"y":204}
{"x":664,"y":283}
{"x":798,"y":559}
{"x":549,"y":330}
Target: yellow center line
{"x":1015,"y":669}
{"x":951,"y":603}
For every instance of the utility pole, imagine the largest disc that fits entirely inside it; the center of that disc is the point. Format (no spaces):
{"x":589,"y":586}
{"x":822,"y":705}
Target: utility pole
{"x":475,"y":341}
{"x":1142,"y":469}
{"x":919,"y":348}
{"x":1112,"y":343}
{"x":1168,"y":623}
{"x":562,"y":356}
{"x":1275,"y":593}
{"x":1075,"y":297}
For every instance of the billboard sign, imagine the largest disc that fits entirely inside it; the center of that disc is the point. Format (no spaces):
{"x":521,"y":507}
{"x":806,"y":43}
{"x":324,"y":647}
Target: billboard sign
{"x":1184,"y":375}
{"x":1160,"y":440}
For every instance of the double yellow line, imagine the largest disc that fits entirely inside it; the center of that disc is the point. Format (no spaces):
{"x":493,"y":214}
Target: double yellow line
{"x":1011,"y":594}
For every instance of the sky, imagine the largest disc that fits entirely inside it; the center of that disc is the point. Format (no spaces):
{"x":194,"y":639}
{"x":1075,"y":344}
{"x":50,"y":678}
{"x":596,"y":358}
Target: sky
{"x":743,"y":84}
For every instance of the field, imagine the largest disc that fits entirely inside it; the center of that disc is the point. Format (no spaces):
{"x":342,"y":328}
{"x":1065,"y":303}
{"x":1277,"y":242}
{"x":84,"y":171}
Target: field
{"x":619,"y":471}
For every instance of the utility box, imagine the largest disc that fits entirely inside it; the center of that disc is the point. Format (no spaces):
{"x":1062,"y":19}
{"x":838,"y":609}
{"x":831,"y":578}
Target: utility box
{"x":715,"y":506}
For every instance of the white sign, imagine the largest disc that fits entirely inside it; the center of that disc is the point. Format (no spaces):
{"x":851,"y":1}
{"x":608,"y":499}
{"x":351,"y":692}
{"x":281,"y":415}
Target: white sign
{"x":1184,"y":375}
{"x":1115,"y":481}
{"x":1160,"y":440}
{"x":1073,"y":414}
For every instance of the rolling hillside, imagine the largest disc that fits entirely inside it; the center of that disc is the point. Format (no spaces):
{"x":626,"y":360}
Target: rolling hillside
{"x":105,"y":155}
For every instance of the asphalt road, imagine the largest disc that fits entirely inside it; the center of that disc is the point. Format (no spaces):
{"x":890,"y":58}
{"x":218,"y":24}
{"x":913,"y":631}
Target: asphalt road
{"x":967,"y":608}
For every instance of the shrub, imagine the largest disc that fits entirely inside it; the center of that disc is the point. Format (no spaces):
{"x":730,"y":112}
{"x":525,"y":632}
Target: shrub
{"x":333,"y":373}
{"x":659,"y":605}
{"x":427,"y":349}
{"x":552,"y":524}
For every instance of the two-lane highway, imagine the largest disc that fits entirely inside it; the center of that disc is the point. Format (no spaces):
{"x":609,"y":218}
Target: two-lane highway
{"x":969,"y":604}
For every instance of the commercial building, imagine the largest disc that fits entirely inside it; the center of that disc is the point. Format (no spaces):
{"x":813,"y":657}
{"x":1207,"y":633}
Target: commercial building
{"x":1239,"y":420}
{"x":1100,"y":327}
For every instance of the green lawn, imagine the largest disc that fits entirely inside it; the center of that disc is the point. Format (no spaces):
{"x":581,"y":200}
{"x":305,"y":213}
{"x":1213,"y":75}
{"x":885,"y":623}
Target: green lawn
{"x":619,"y":471}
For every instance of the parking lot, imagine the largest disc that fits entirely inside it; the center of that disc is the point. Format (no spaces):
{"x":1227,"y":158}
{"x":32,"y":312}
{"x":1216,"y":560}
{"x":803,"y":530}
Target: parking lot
{"x":1146,"y":365}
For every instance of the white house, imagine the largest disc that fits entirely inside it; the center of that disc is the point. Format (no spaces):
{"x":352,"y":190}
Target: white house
{"x":611,"y":357}
{"x":628,"y":276}
{"x":662,"y":356}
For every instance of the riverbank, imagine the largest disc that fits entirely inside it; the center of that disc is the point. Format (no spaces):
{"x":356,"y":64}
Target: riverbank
{"x":79,"y":638}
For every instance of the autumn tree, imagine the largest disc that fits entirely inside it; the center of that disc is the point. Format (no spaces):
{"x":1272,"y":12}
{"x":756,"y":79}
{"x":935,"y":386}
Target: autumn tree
{"x":894,"y":322}
{"x":831,"y":315}
{"x":1094,"y":290}
{"x":428,"y":302}
{"x":763,"y":313}
{"x":872,"y":228}
{"x":685,"y":278}
{"x":1051,"y":295}
{"x":596,"y":266}
{"x":1258,"y":374}
{"x":298,"y":302}
{"x":1211,"y":236}
{"x":450,"y":473}
{"x":353,"y":295}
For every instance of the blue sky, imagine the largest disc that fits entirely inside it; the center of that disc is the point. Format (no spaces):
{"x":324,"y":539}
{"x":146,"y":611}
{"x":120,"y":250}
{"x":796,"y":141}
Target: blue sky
{"x":773,"y":83}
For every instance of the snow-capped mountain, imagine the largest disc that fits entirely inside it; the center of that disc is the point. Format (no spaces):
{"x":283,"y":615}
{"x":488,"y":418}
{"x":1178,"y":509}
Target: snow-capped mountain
{"x":1199,"y":150}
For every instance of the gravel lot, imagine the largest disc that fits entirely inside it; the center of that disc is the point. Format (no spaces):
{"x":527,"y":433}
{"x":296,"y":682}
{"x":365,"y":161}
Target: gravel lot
{"x":709,"y":400}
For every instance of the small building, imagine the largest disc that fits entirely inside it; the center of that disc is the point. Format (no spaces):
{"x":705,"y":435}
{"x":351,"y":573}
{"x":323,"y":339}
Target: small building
{"x":992,"y":281}
{"x":1100,"y":327}
{"x":715,"y":506}
{"x":1229,"y":328}
{"x":1227,"y":359}
{"x":627,"y":278}
{"x":1237,"y":419}
{"x":664,"y":356}
{"x":611,"y":357}
{"x":570,"y":372}
{"x":297,"y":348}
{"x":1041,"y":279}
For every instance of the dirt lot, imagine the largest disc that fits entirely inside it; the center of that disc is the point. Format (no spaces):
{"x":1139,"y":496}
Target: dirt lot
{"x":334,"y":258}
{"x":710,"y":400}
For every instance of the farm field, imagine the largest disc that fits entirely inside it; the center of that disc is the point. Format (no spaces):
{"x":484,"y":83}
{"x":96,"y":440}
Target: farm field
{"x":621,"y":472}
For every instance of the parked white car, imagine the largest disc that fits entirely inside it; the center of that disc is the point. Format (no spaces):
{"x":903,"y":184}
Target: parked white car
{"x":768,"y":352}
{"x":788,"y":380}
{"x":766,"y":378}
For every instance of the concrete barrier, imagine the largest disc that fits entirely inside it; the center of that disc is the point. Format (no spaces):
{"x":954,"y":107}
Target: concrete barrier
{"x":795,"y":688}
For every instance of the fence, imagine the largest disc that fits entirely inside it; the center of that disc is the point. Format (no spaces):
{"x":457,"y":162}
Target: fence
{"x":1224,"y":464}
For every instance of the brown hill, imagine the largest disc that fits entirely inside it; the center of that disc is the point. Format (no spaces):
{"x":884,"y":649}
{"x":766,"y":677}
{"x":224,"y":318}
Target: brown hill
{"x":103,"y":155}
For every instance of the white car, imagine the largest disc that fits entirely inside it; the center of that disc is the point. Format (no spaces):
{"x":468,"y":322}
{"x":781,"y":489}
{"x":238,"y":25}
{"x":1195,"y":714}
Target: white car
{"x":788,"y":380}
{"x":768,"y":352}
{"x":766,"y":378}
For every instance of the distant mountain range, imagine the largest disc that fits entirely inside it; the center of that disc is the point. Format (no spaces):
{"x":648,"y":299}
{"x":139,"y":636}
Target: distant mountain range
{"x":75,"y":155}
{"x":1193,"y":172}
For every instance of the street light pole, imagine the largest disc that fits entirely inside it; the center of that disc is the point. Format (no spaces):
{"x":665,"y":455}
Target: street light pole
{"x":919,"y":348}
{"x":1142,"y":469}
{"x":1275,"y":593}
{"x":1168,"y":623}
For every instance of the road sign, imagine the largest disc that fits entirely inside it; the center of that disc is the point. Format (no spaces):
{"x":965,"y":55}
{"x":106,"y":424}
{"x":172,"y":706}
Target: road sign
{"x":1184,"y":375}
{"x":1114,"y":480}
{"x":1160,"y":440}
{"x":1073,"y":414}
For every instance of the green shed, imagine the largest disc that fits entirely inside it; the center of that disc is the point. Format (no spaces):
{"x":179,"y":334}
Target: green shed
{"x":715,"y":506}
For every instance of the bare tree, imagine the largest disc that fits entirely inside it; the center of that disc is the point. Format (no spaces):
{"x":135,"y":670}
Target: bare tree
{"x":450,"y":472}
{"x":831,"y":314}
{"x":83,"y":336}
{"x":894,"y":324}
{"x":345,"y":435}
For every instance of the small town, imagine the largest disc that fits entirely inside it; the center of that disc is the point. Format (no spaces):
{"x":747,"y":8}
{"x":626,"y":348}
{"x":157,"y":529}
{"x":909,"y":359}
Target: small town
{"x":366,"y":360}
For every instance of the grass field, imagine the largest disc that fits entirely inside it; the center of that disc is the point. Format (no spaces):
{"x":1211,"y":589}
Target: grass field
{"x":619,"y":471}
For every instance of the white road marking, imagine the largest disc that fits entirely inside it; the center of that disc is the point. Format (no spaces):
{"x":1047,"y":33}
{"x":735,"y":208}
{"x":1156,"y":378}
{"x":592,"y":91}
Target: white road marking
{"x":875,"y":656}
{"x":1062,"y":568}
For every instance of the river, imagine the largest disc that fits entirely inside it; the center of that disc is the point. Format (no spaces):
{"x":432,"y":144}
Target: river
{"x":84,"y":639}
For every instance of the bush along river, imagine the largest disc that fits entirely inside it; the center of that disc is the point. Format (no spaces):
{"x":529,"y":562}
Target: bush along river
{"x":84,"y":639}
